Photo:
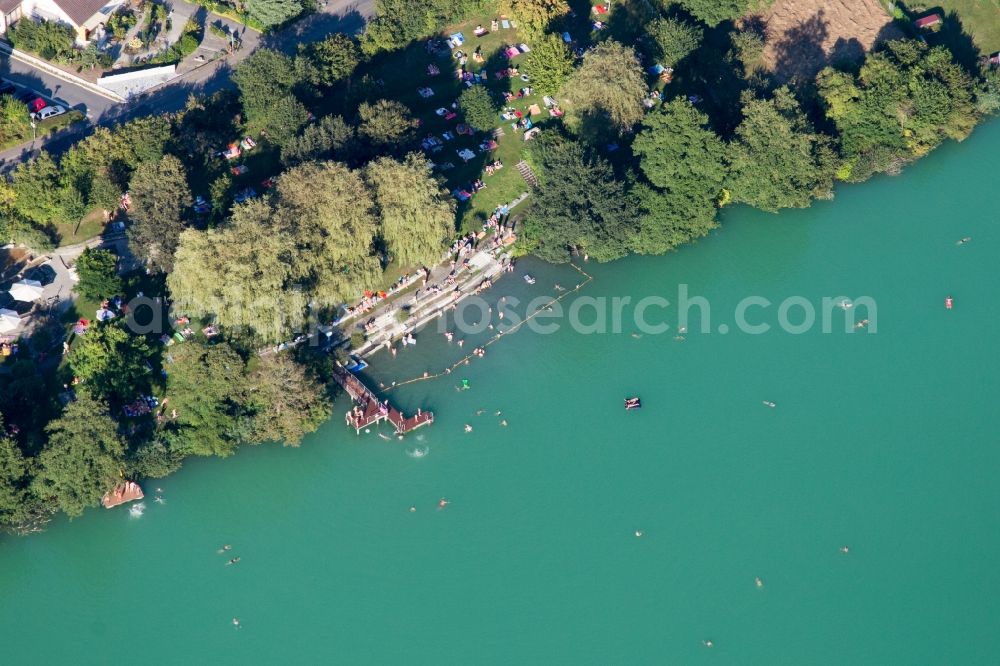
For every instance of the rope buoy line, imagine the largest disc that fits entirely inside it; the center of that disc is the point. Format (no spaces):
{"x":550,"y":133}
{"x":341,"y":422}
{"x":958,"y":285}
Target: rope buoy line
{"x":495,"y":338}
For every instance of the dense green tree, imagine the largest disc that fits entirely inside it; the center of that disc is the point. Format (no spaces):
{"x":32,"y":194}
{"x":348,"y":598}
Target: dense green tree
{"x":160,"y":199}
{"x":906,"y":99}
{"x":331,"y":137}
{"x":673,"y":39}
{"x":679,"y":152}
{"x":386,"y":125}
{"x":685,"y":161}
{"x":40,"y":195}
{"x":111,"y":361}
{"x":242,"y":273}
{"x":607,"y":89}
{"x":273,"y":12}
{"x":14,"y":121}
{"x":479,"y":108}
{"x":285,"y":401}
{"x":579,"y":204}
{"x":777,"y":159}
{"x":15,"y":475}
{"x":285,"y":118}
{"x":417,"y":216}
{"x":669,"y":219}
{"x":204,"y":386}
{"x":83,"y":458}
{"x":98,"y":273}
{"x":327,"y":212}
{"x":326,"y":62}
{"x":748,"y":46}
{"x":549,"y":63}
{"x":153,"y":460}
{"x":533,"y":16}
{"x":714,"y":12}
{"x":264,"y":78}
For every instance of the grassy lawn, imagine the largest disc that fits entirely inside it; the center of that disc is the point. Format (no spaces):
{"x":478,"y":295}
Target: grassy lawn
{"x":403,"y":72}
{"x":91,"y":226}
{"x":980,"y":18}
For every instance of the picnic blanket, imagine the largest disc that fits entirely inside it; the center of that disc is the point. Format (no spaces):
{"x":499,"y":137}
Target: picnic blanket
{"x":511,"y":51}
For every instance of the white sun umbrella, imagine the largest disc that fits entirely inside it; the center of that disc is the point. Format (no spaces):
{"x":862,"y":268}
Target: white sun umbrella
{"x":8,"y":320}
{"x":26,"y":290}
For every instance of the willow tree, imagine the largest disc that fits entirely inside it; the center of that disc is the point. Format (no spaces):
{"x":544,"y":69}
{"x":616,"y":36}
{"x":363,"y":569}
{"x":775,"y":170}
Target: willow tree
{"x":608,"y":88}
{"x":534,"y":16}
{"x":82,"y":459}
{"x":242,"y":274}
{"x":417,"y":217}
{"x":328,"y":212}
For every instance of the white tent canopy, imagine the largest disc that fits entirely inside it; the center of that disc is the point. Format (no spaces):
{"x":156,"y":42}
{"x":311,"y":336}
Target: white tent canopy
{"x":26,"y":290}
{"x":8,"y":321}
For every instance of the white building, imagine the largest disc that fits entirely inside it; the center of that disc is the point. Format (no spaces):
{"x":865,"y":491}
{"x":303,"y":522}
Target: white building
{"x":83,"y":16}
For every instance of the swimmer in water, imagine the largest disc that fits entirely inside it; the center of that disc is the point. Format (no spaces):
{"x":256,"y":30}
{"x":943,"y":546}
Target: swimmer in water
{"x":845,"y":305}
{"x":499,"y":413}
{"x":159,"y":500}
{"x":442,"y":503}
{"x":468,"y":428}
{"x":504,"y":423}
{"x":480,"y":412}
{"x":679,"y":338}
{"x":768,"y":403}
{"x":638,"y":533}
{"x":845,"y":550}
{"x":559,"y":287}
{"x":682,"y":329}
{"x":159,"y":490}
{"x":707,"y":642}
{"x":413,"y":509}
{"x":227,"y":547}
{"x":461,"y":342}
{"x":236,"y":622}
{"x":758,"y":582}
{"x":636,"y":336}
{"x":233,"y":561}
{"x":963,"y":241}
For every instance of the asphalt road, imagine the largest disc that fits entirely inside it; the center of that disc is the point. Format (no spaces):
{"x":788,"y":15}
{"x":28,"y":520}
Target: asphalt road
{"x":346,"y":16}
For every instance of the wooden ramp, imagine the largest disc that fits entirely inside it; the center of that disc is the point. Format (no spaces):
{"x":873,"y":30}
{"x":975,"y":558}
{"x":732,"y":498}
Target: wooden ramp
{"x":369,"y":410}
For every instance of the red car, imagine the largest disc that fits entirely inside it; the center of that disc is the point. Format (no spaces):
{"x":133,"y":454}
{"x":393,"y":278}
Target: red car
{"x":36,"y":105}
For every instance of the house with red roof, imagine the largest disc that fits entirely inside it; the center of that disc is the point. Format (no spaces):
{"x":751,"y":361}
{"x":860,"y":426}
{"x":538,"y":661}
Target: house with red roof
{"x":928,"y":21}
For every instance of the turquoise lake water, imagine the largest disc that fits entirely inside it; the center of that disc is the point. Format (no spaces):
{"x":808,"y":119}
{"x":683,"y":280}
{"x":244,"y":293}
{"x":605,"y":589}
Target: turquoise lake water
{"x":884,"y":442}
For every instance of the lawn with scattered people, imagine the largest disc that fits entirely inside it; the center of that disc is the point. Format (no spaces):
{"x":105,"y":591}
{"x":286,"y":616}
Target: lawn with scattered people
{"x":408,"y":75}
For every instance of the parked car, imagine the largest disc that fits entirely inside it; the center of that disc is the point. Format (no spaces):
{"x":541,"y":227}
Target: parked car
{"x":50,"y":111}
{"x":36,"y":105}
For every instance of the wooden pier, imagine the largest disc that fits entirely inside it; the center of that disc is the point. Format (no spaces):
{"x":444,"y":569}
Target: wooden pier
{"x":368,"y":409}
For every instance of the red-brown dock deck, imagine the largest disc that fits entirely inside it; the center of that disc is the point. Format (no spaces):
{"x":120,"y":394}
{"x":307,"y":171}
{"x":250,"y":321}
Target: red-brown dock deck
{"x":368,"y":409}
{"x":126,"y":492}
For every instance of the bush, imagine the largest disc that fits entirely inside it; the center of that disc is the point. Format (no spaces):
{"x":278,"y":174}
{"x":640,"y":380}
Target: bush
{"x":121,"y":22}
{"x":52,"y":41}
